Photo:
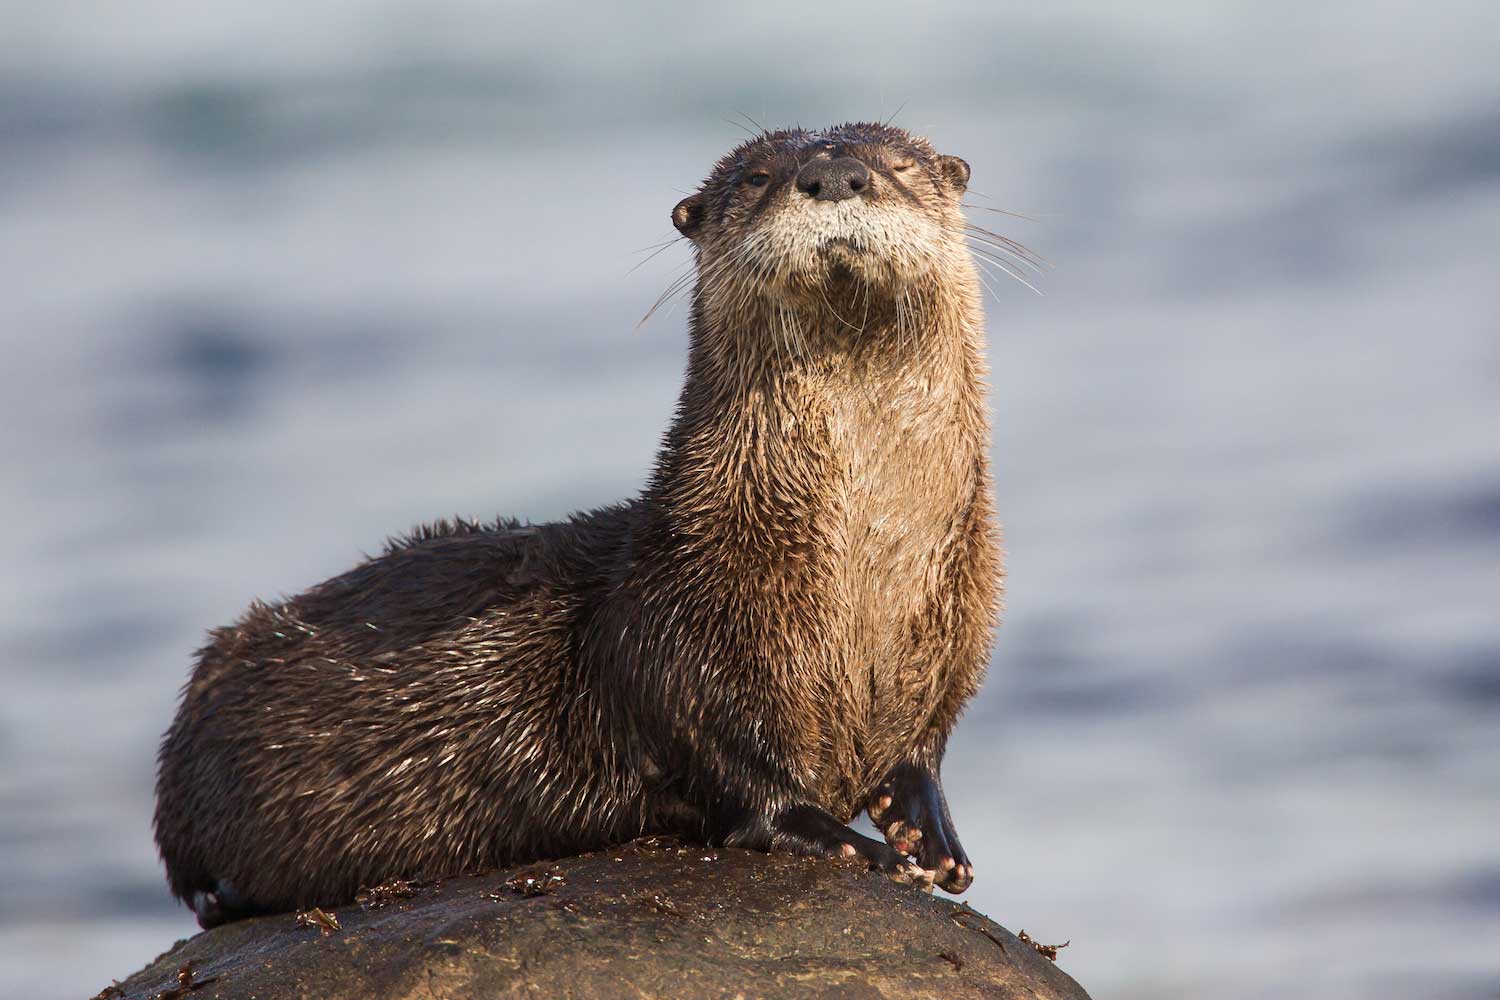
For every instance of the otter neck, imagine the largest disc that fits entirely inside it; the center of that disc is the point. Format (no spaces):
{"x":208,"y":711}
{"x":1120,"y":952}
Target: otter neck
{"x":791,"y":418}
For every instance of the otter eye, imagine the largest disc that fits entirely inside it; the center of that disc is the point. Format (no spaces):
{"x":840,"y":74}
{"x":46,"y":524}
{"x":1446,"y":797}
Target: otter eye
{"x":904,"y":166}
{"x":759,"y":179}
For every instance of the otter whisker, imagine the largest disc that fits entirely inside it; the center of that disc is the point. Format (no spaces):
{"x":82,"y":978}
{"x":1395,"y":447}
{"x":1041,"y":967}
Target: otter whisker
{"x":982,"y":273}
{"x":655,"y":251}
{"x":1026,"y":260}
{"x":742,"y":259}
{"x":663,"y":243}
{"x":1001,"y":211}
{"x":760,"y":129}
{"x":1019,"y":249}
{"x":1007,"y":253}
{"x":1000,"y":264}
{"x":904,"y":318}
{"x":733,"y":262}
{"x":789,"y":332}
{"x":1015,"y":245}
{"x":784,"y":334}
{"x":677,"y":285}
{"x":803,"y":351}
{"x":1003,"y":260}
{"x":731,"y":121}
{"x":1016,"y":248}
{"x":985,"y":259}
{"x":682,"y":282}
{"x":835,"y":313}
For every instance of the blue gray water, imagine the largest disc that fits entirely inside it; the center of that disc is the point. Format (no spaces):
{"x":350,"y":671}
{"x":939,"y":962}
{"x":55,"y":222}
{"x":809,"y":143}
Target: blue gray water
{"x":282,"y":279}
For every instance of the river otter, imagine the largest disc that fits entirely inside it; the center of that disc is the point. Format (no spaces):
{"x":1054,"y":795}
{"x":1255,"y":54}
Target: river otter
{"x":781,"y":631}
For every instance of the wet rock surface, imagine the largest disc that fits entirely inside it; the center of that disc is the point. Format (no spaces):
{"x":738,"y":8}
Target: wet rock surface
{"x":650,"y":919}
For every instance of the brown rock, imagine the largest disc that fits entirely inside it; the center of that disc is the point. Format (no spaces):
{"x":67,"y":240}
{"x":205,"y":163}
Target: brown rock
{"x":651,"y":919}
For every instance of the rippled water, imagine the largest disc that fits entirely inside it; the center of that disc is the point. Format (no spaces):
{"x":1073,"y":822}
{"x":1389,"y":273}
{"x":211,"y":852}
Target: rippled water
{"x":280,"y":282}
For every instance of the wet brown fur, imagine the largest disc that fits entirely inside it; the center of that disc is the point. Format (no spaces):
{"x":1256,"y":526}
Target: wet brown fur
{"x":802,"y":598}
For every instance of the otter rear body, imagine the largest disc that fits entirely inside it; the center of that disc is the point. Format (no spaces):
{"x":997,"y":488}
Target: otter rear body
{"x":779,"y":633}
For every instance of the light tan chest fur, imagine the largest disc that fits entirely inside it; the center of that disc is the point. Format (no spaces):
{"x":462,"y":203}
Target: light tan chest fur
{"x":902,"y":476}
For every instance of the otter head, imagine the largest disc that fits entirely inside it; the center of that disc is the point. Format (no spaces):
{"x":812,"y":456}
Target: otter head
{"x":796,"y":217}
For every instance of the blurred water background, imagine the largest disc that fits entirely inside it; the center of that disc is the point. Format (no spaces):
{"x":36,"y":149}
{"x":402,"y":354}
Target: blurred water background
{"x":278,"y":280}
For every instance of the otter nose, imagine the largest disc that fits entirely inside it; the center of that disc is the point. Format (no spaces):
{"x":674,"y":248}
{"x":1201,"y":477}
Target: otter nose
{"x":833,"y":180}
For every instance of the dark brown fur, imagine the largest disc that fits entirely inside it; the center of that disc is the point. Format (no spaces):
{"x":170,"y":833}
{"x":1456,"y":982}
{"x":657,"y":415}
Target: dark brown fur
{"x":789,"y":618}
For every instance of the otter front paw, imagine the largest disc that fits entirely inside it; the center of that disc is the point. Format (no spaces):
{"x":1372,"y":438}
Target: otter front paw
{"x":909,"y":808}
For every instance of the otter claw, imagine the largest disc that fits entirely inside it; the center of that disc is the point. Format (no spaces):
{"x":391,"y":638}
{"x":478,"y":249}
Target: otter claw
{"x":915,"y":874}
{"x":902,"y":836}
{"x":908,"y":808}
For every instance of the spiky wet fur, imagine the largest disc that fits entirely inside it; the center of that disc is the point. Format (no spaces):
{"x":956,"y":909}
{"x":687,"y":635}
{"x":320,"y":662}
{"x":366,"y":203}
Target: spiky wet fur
{"x":802,"y":598}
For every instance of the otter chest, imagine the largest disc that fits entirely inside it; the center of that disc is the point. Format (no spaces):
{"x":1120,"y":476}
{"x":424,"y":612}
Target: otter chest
{"x":904,"y":479}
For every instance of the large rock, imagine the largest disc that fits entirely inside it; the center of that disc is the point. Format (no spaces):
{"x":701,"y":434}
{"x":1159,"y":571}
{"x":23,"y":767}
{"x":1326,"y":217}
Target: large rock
{"x":651,"y":919}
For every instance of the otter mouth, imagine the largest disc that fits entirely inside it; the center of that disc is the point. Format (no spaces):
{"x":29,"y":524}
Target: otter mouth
{"x":841,"y":245}
{"x":846,"y":263}
{"x":843,"y":254}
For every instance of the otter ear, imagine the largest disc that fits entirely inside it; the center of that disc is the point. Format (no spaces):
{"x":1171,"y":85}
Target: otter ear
{"x":688,"y":215}
{"x":955,"y":171}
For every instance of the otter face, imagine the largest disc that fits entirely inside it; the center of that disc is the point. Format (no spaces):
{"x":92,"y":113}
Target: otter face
{"x":794,"y":213}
